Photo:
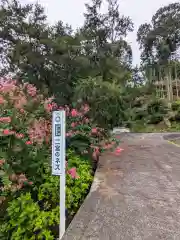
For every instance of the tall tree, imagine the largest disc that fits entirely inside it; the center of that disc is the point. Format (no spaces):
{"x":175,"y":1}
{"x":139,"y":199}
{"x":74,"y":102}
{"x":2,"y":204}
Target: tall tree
{"x":46,"y":56}
{"x":160,"y":39}
{"x":104,"y":34}
{"x":21,"y":28}
{"x":56,"y":57}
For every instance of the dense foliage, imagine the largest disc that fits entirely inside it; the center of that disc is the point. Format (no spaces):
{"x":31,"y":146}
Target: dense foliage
{"x":155,"y":115}
{"x":35,"y":212}
{"x":160,"y":39}
{"x":28,"y":192}
{"x":55,"y":57}
{"x":92,"y":64}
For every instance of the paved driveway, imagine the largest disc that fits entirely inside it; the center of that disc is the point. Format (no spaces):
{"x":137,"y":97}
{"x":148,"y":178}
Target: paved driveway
{"x":135,"y":196}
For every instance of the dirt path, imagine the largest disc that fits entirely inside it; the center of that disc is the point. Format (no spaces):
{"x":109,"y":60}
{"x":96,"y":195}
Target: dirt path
{"x":135,"y":196}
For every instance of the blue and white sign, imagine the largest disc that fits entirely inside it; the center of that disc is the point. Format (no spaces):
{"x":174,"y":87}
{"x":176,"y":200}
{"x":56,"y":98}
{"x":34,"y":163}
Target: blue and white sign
{"x":58,"y":142}
{"x":58,"y":161}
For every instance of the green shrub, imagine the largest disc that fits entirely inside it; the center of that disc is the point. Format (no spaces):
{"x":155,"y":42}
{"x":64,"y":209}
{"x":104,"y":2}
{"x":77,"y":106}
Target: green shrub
{"x":155,"y":118}
{"x":104,"y":99}
{"x":175,"y":105}
{"x":157,"y":106}
{"x":177,"y":116}
{"x":139,"y":114}
{"x":37,"y":217}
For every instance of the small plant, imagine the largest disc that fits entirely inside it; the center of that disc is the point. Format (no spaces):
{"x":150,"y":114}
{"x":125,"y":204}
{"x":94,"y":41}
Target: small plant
{"x":175,"y":105}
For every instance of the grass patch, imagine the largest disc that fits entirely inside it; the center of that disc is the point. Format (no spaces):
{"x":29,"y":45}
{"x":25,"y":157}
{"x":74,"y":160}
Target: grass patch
{"x":155,"y":128}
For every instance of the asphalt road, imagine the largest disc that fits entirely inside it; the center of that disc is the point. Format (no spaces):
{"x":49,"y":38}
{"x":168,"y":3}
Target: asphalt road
{"x":135,"y":196}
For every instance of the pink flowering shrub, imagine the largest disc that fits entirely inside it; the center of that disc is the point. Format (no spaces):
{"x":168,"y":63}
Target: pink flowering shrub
{"x":25,"y":129}
{"x":24,"y":134}
{"x":84,"y":136}
{"x":25,"y":138}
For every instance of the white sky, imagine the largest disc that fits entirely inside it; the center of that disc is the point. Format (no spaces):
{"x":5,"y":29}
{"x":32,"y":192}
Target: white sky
{"x":71,"y":11}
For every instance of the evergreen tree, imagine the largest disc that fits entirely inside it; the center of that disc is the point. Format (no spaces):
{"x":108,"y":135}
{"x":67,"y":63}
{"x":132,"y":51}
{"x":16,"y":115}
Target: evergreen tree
{"x":160,"y":39}
{"x":104,"y":34}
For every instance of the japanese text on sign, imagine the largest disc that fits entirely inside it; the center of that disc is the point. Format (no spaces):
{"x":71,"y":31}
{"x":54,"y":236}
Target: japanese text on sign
{"x":58,"y":138}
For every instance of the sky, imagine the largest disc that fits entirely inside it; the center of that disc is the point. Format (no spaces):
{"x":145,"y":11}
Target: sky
{"x":71,"y":12}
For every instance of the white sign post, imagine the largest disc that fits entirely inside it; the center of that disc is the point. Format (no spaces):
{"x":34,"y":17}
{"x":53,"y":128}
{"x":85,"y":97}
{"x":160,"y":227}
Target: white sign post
{"x":58,"y":161}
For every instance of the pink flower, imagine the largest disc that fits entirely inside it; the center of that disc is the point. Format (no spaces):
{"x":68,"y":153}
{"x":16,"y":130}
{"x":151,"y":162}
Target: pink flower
{"x":39,"y":131}
{"x":50,"y":107}
{"x":21,"y":110}
{"x":31,"y":90}
{"x":94,"y":130}
{"x":74,"y":113}
{"x":30,"y":183}
{"x":118,"y":151}
{"x":1,"y":100}
{"x":69,"y":134}
{"x":5,"y":119}
{"x":7,"y":86}
{"x":73,"y":173}
{"x":85,"y":108}
{"x":2,"y":161}
{"x":19,"y":135}
{"x":8,"y":132}
{"x":97,"y":150}
{"x":28,"y":142}
{"x":20,"y":103}
{"x":73,"y":124}
{"x":96,"y":153}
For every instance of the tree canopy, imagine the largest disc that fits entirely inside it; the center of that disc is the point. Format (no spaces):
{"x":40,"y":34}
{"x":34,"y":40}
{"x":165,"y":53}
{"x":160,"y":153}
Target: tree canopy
{"x":160,"y":39}
{"x":92,"y":61}
{"x":55,"y":57}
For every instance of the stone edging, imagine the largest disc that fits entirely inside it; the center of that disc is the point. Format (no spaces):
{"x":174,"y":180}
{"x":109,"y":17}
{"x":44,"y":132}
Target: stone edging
{"x":81,"y":219}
